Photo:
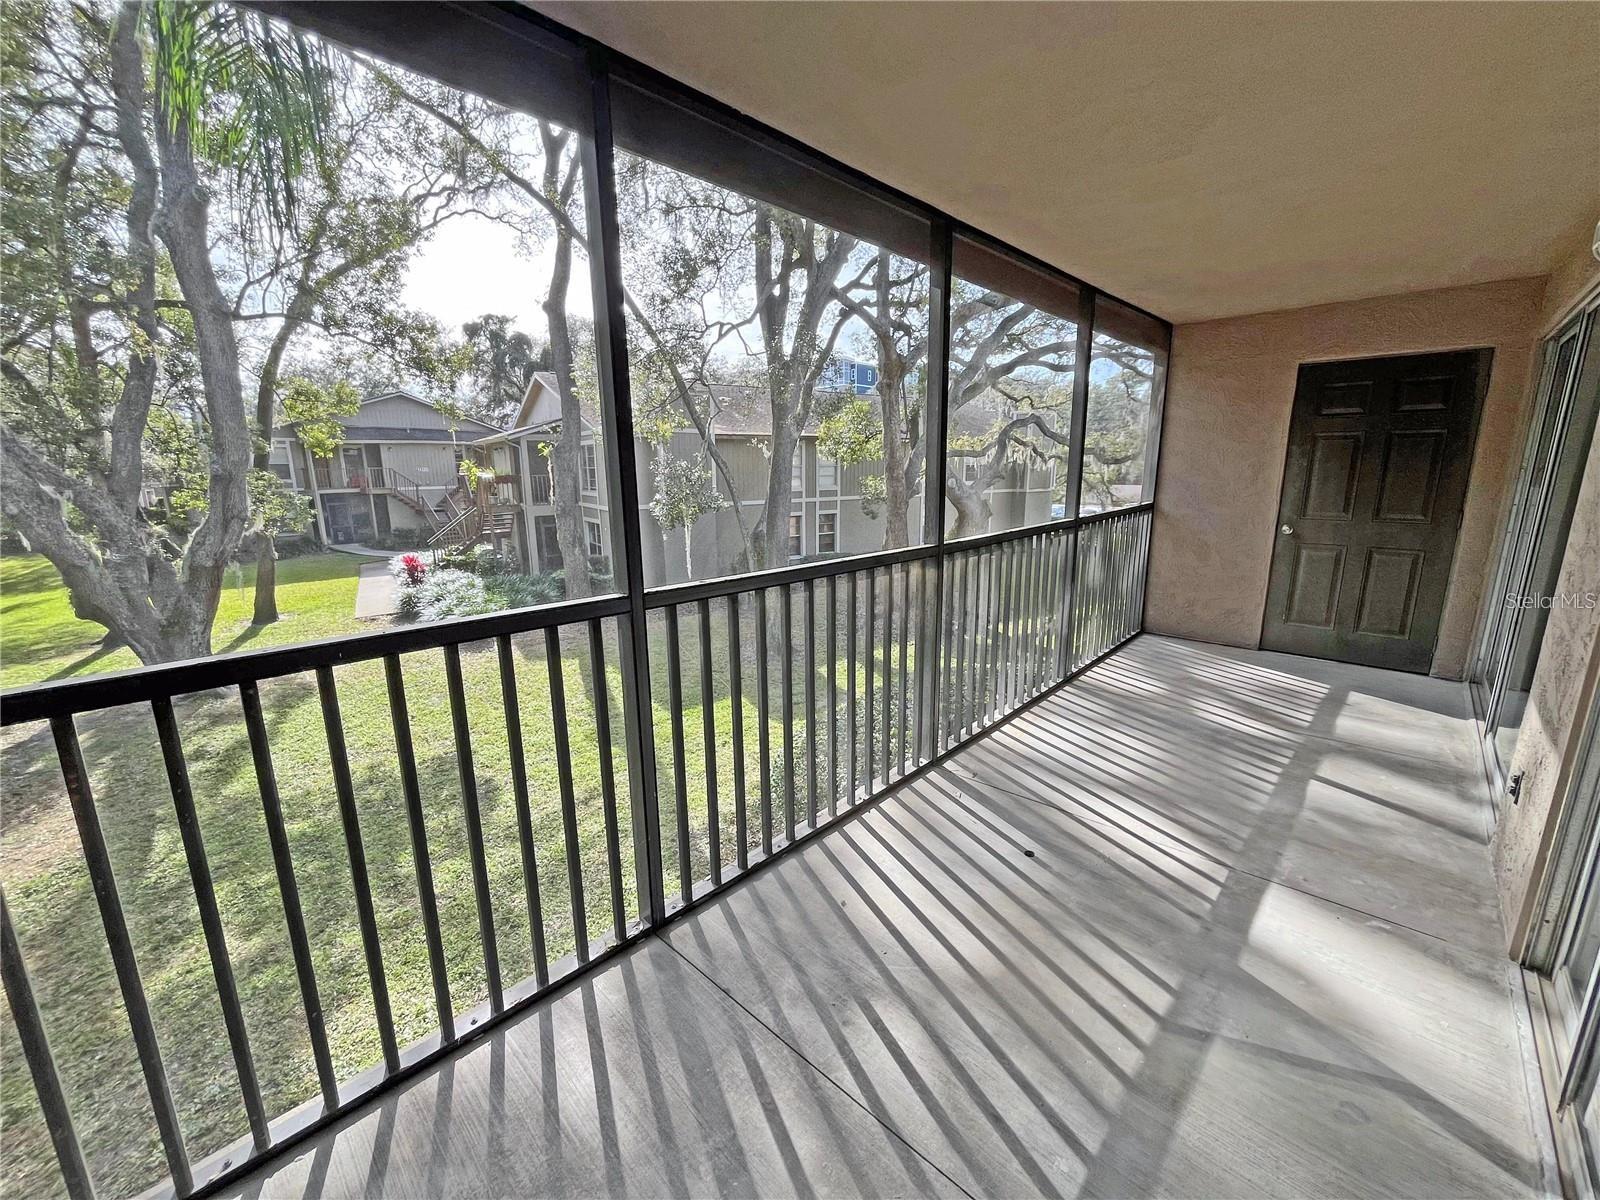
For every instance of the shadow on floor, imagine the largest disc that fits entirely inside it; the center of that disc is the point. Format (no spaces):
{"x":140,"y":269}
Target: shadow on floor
{"x":1206,"y":922}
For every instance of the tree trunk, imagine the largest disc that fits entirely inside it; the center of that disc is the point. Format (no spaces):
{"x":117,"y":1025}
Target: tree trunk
{"x":117,"y":575}
{"x":567,"y":453}
{"x":183,"y":223}
{"x":972,"y":510}
{"x":897,"y":499}
{"x":896,"y":487}
{"x":266,"y":610}
{"x":773,"y":542}
{"x":135,"y":594}
{"x":892,"y":370}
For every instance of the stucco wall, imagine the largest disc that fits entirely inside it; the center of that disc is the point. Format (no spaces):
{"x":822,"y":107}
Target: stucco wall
{"x":1576,"y":276}
{"x":1230,"y":392}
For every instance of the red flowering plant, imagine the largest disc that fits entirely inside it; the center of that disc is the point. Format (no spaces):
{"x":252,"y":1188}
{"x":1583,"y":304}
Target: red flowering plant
{"x":409,"y":571}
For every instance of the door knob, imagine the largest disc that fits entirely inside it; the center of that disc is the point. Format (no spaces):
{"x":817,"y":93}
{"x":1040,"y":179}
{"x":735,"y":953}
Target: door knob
{"x":1286,"y":530}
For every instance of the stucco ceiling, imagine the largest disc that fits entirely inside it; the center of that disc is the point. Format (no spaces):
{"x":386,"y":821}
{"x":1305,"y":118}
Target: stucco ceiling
{"x":1202,"y":160}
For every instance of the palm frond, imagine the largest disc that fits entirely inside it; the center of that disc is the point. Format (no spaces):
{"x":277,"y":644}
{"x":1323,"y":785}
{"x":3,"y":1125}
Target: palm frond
{"x":254,"y":96}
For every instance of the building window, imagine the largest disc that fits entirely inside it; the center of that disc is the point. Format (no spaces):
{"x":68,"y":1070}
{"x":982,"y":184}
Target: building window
{"x":827,"y":475}
{"x":591,"y":468}
{"x":827,"y":532}
{"x":597,"y":547}
{"x":281,"y":470}
{"x":796,"y":537}
{"x":797,"y":472}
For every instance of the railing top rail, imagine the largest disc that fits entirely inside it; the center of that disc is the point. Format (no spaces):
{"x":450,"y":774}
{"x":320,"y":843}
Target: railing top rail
{"x":754,"y":581}
{"x":979,"y":541}
{"x":40,"y":701}
{"x":726,"y":585}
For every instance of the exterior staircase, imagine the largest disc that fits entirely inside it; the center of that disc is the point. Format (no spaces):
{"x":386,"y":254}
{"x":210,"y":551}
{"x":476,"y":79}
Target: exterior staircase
{"x":472,"y":523}
{"x":409,"y":492}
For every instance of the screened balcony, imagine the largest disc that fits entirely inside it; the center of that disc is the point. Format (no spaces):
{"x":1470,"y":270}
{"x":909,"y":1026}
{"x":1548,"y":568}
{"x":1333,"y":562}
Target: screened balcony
{"x":886,"y":795}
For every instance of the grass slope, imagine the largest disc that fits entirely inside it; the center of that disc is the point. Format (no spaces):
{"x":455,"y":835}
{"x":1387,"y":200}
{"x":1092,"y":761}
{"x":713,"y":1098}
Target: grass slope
{"x":41,"y":639}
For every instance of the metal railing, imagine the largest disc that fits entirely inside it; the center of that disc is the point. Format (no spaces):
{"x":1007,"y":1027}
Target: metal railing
{"x":569,"y":645}
{"x":332,"y":473}
{"x":775,"y":704}
{"x":404,"y":488}
{"x":1110,"y":576}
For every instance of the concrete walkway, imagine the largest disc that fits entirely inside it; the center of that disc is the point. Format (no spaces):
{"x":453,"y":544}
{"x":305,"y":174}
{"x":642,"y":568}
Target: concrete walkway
{"x":376,"y":591}
{"x":1206,"y":922}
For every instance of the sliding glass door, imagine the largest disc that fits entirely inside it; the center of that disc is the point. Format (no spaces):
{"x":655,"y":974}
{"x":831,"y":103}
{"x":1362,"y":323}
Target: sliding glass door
{"x":1564,"y":952}
{"x":1525,"y":582}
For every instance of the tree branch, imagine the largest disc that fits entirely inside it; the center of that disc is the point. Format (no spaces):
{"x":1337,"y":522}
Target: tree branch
{"x":132,"y":411}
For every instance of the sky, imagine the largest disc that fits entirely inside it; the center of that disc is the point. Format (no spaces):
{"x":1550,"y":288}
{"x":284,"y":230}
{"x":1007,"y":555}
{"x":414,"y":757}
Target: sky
{"x":473,"y":265}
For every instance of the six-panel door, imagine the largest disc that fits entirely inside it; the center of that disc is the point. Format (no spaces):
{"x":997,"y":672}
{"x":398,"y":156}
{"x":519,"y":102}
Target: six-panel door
{"x":1378,"y":459}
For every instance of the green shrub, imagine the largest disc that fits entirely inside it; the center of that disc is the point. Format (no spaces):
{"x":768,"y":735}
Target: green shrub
{"x":523,"y":591}
{"x":447,"y":593}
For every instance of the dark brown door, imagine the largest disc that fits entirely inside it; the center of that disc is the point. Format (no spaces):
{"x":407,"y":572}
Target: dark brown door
{"x":1379,"y":452}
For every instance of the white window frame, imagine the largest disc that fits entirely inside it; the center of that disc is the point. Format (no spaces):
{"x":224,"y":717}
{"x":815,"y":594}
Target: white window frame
{"x":827,"y":474}
{"x":590,"y":473}
{"x":797,"y":533}
{"x":288,"y":459}
{"x":797,"y":471}
{"x":594,"y":538}
{"x":832,"y":533}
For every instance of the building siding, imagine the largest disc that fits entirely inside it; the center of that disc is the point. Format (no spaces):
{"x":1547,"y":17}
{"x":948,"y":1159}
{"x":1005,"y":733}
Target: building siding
{"x":429,"y":465}
{"x":408,"y":413}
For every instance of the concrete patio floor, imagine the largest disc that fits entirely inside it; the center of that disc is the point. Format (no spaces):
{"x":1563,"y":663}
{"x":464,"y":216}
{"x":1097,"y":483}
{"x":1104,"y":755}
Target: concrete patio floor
{"x":1207,"y":922}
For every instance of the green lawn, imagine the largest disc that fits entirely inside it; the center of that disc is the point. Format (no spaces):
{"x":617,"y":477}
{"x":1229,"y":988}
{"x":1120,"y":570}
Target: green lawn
{"x":59,"y":927}
{"x":40,"y":638}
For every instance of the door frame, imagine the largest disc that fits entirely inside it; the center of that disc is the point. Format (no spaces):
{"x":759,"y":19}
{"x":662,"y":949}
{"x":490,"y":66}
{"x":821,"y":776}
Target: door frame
{"x":1486,"y":355}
